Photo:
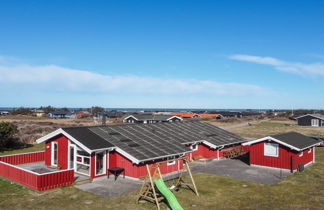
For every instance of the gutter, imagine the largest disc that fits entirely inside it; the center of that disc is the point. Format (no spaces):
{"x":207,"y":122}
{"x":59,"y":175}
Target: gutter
{"x":181,"y":154}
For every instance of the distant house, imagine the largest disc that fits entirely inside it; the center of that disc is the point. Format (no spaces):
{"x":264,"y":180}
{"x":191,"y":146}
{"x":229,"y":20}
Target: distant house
{"x":184,"y":114}
{"x":82,"y":114}
{"x":251,"y":113}
{"x":149,"y":118}
{"x":3,"y":112}
{"x":39,"y":112}
{"x":60,"y":115}
{"x":288,"y":151}
{"x":315,"y":120}
{"x":210,"y":115}
{"x":230,"y":114}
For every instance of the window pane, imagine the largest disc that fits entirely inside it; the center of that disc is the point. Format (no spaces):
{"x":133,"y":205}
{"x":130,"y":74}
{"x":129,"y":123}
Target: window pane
{"x":83,"y":153}
{"x":270,"y":149}
{"x":83,"y":169}
{"x":86,"y":160}
{"x":55,"y":154}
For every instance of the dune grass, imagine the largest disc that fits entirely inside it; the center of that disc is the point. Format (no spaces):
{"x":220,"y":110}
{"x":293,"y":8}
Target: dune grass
{"x":274,"y":127}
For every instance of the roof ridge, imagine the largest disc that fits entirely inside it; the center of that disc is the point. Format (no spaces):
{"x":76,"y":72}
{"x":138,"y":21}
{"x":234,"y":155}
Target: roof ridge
{"x":127,"y":124}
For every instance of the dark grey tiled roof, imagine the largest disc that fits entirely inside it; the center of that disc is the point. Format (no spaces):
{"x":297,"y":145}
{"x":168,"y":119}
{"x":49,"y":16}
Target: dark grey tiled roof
{"x":297,"y":140}
{"x":149,"y":141}
{"x":320,"y":116}
{"x":87,"y":138}
{"x":140,"y":143}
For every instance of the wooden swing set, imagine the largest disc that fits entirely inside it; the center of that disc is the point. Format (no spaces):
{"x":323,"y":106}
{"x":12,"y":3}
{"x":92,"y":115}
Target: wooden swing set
{"x":148,"y":190}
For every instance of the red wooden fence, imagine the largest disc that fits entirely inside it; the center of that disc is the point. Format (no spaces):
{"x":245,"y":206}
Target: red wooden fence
{"x":32,"y":179}
{"x":23,"y":158}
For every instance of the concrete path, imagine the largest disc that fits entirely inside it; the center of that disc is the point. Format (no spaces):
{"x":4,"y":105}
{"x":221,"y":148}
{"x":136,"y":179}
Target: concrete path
{"x":237,"y":169}
{"x":109,"y":187}
{"x":228,"y":167}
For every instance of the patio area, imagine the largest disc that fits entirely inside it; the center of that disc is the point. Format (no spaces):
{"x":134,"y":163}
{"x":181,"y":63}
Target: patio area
{"x":38,"y":167}
{"x":109,"y":187}
{"x":237,"y":168}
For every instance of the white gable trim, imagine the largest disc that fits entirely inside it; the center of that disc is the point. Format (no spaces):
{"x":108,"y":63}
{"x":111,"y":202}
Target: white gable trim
{"x":272,"y":139}
{"x":61,"y":131}
{"x":129,"y":117}
{"x":210,"y":144}
{"x":310,"y":115}
{"x":175,"y":117}
{"x":165,"y":156}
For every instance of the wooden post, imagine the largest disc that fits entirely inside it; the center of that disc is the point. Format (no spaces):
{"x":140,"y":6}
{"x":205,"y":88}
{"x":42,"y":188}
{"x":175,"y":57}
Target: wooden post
{"x":142,"y":190}
{"x":192,"y":180}
{"x":158,"y":169}
{"x":152,"y":185}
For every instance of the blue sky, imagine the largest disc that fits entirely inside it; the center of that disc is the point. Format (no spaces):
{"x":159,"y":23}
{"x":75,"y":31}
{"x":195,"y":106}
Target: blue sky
{"x":174,"y":54}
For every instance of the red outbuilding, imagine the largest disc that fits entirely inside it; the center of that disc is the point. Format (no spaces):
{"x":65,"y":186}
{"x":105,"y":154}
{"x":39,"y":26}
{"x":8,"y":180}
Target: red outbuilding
{"x":289,"y":151}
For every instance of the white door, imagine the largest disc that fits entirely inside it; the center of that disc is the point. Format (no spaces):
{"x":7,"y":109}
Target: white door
{"x":315,"y":122}
{"x":100,"y":163}
{"x":72,"y":154}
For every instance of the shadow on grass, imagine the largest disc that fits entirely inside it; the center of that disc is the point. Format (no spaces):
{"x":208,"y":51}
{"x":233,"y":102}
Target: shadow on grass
{"x":14,"y":144}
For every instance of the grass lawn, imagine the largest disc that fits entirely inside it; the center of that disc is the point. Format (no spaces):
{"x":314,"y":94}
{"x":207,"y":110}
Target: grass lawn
{"x":300,"y":191}
{"x":34,"y":148}
{"x":274,"y":127}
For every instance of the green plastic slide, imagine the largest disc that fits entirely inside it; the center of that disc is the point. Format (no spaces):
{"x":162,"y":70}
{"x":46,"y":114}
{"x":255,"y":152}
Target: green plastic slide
{"x":169,"y":196}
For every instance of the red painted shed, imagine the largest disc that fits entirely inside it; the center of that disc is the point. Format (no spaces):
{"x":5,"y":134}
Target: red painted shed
{"x":286,"y":151}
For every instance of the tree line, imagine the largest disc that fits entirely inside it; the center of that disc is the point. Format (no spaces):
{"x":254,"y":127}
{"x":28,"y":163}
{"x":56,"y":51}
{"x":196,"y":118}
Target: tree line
{"x":48,"y":109}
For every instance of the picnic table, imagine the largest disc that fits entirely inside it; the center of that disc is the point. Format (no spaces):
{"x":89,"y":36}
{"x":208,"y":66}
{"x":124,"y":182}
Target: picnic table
{"x":116,"y":171}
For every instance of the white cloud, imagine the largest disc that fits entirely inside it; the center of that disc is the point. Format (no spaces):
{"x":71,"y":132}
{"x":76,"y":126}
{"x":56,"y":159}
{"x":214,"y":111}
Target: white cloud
{"x":313,"y":69}
{"x":52,"y":77}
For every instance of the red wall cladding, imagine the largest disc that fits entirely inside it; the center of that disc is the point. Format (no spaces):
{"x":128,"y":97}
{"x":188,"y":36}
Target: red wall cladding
{"x":282,"y":161}
{"x":63,"y":145}
{"x":133,"y":170}
{"x":23,"y":158}
{"x":207,"y":152}
{"x":306,"y":158}
{"x":204,"y":151}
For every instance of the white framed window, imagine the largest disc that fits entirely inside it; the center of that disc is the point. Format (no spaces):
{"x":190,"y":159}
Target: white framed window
{"x":315,"y":122}
{"x":194,"y":147}
{"x":271,"y":149}
{"x":54,"y":153}
{"x":301,"y":154}
{"x":171,"y":162}
{"x":82,"y":162}
{"x":309,"y":150}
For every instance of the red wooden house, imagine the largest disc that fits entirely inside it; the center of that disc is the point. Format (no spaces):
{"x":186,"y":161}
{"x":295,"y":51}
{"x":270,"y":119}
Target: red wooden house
{"x":92,"y":150}
{"x":288,"y":151}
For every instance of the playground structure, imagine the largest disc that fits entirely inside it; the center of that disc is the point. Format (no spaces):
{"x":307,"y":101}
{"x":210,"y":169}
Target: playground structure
{"x":154,"y":189}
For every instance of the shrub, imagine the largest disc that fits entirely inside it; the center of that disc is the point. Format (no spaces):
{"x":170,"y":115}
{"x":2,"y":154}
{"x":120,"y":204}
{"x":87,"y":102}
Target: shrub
{"x":21,"y":111}
{"x":7,"y":131}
